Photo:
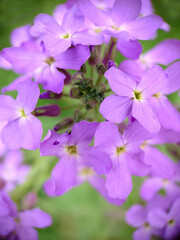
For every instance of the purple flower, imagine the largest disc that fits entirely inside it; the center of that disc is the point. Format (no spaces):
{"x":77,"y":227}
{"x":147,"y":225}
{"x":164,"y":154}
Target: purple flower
{"x":43,"y":67}
{"x":58,"y":38}
{"x":141,"y":217}
{"x":89,"y":175}
{"x":153,"y":185}
{"x":73,"y":150}
{"x":169,"y":220}
{"x":12,"y":171}
{"x":133,"y":98}
{"x":125,"y":153}
{"x":23,"y":129}
{"x":20,"y":225}
{"x":123,"y":23}
{"x":163,"y":53}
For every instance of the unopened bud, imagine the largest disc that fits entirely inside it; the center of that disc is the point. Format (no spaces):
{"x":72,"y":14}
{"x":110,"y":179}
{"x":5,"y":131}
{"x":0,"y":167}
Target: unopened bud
{"x":49,"y":110}
{"x":74,"y":93}
{"x":101,"y":68}
{"x":50,"y":95}
{"x":83,"y":69}
{"x":111,"y":63}
{"x":63,"y":124}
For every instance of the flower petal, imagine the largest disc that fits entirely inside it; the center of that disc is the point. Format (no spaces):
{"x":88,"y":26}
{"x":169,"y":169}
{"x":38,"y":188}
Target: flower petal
{"x":73,"y":58}
{"x":143,"y":112}
{"x":136,"y":215}
{"x":124,"y":11}
{"x":129,"y":49}
{"x":64,"y":175}
{"x":95,"y":158}
{"x":150,"y":187}
{"x":143,"y":28}
{"x":108,"y":137}
{"x":118,"y":181}
{"x":115,"y":108}
{"x":161,"y":165}
{"x":28,"y":95}
{"x":35,"y":218}
{"x":120,"y":82}
{"x":8,"y":108}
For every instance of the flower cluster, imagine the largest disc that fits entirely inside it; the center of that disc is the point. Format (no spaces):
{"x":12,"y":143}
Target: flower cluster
{"x":118,"y":111}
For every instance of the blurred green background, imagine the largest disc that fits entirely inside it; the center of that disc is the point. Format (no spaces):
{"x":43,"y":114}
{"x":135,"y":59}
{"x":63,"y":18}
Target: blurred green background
{"x":81,"y":214}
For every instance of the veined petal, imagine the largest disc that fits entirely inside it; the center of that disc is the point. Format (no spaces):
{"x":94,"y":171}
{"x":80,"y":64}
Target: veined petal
{"x":99,"y":184}
{"x":8,"y":108}
{"x":167,"y":115}
{"x":150,"y":187}
{"x":135,"y":135}
{"x":130,"y":49}
{"x":120,"y":82}
{"x":163,"y":53}
{"x":143,"y":112}
{"x":118,"y":181}
{"x":95,"y":158}
{"x":88,"y":37}
{"x":97,"y":16}
{"x":108,"y":137}
{"x":143,"y":28}
{"x":31,"y":132}
{"x":152,"y":81}
{"x":173,"y":80}
{"x":23,"y":61}
{"x":83,"y":132}
{"x":48,"y":146}
{"x":161,"y":165}
{"x":73,"y":58}
{"x":115,"y":108}
{"x":52,"y":79}
{"x":73,"y":20}
{"x":28,"y":95}
{"x":64,"y":175}
{"x":124,"y":11}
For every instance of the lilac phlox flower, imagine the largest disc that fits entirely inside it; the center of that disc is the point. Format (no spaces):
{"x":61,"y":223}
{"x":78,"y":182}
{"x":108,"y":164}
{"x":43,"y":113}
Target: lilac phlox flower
{"x":73,"y":150}
{"x":147,"y":9}
{"x":12,"y":170}
{"x":89,"y":175}
{"x":164,"y":53}
{"x":169,"y":220}
{"x":153,"y":185}
{"x":43,"y":66}
{"x":141,"y":217}
{"x":133,"y":98}
{"x":122,"y":22}
{"x":20,"y":225}
{"x":125,"y":153}
{"x":17,"y":38}
{"x":22,"y":130}
{"x":58,"y":38}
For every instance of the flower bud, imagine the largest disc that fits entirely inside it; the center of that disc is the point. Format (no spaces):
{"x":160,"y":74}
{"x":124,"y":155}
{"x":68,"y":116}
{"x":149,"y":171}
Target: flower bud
{"x":63,"y":124}
{"x":49,"y":110}
{"x":111,"y":63}
{"x":100,"y":68}
{"x":29,"y":201}
{"x":50,"y":95}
